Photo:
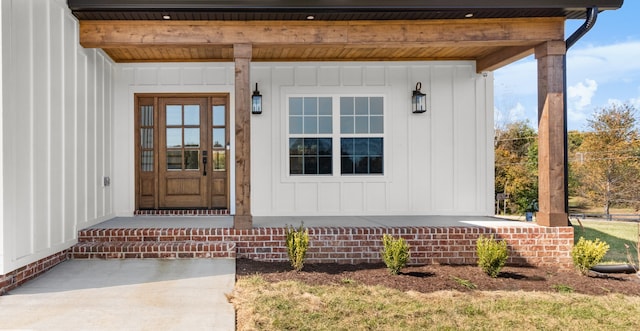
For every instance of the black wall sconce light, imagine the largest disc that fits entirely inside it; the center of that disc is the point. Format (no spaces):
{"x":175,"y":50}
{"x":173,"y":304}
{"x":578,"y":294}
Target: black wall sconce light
{"x":418,"y":100}
{"x":256,"y":101}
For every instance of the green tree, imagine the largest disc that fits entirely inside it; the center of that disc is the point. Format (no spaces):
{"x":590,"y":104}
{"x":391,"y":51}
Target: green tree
{"x":609,"y":165}
{"x":516,"y":164}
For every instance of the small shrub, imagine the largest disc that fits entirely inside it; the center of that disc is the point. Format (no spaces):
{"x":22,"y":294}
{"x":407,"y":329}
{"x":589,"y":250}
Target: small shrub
{"x":492,"y":255}
{"x":588,"y":253}
{"x":395,"y":253}
{"x":465,"y":283}
{"x":561,"y":288}
{"x":297,"y":244}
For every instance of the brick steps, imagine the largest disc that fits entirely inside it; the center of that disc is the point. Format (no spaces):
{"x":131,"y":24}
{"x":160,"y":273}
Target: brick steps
{"x":157,"y":243}
{"x":152,"y":250}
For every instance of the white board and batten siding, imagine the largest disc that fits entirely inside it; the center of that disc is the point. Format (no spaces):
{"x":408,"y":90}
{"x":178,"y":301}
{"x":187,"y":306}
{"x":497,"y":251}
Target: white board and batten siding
{"x":132,"y":78}
{"x":436,"y":163}
{"x":56,"y":134}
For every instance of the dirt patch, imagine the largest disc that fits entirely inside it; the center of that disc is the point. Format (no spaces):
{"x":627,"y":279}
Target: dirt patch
{"x":431,"y":278}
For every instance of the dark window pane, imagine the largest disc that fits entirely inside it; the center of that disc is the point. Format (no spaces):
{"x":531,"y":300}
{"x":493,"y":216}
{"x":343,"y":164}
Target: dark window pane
{"x":346,"y":146}
{"x":375,"y":146}
{"x":295,"y":146}
{"x":361,"y":146}
{"x":361,"y":164}
{"x":295,"y":165}
{"x":310,"y":165}
{"x":310,"y":146}
{"x":375,"y":165}
{"x":324,"y":165}
{"x":362,"y":155}
{"x":346,"y":106}
{"x":346,"y":165}
{"x":310,"y":106}
{"x":295,"y":106}
{"x":191,"y":160}
{"x":324,"y":146}
{"x":362,"y":106}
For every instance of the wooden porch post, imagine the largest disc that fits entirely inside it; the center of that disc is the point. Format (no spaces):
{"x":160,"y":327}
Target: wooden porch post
{"x":551,"y":147}
{"x":242,"y":58}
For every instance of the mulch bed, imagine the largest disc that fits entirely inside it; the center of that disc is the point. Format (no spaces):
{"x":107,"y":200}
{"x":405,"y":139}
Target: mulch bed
{"x":432,"y":278}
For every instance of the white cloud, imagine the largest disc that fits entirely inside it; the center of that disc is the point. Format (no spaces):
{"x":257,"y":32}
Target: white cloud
{"x":579,"y":98}
{"x":517,"y":113}
{"x":608,"y":63}
{"x":580,"y":94}
{"x":594,"y":75}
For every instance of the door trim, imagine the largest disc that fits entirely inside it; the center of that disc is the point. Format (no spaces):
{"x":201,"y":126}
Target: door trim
{"x":146,"y":183}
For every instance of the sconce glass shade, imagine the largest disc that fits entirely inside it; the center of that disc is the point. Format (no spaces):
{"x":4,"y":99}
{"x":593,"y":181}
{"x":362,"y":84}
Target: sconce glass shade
{"x":256,"y":101}
{"x":418,"y":100}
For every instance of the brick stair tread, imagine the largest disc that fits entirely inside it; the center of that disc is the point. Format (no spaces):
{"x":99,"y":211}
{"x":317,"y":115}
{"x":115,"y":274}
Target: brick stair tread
{"x":153,"y":249}
{"x":150,"y":234}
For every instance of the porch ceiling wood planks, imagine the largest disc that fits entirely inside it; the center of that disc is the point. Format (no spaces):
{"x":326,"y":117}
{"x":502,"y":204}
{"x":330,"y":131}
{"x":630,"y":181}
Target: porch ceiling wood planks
{"x":492,"y":42}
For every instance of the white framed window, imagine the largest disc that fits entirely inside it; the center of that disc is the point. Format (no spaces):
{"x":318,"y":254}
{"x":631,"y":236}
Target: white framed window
{"x":310,"y":136}
{"x":354,"y":134}
{"x":361,"y":135}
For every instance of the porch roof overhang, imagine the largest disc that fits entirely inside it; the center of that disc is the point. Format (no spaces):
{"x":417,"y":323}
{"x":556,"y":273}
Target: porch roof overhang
{"x":497,"y":32}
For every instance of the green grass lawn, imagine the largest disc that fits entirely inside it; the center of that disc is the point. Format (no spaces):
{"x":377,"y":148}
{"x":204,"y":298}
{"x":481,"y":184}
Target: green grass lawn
{"x":295,"y":306}
{"x":350,"y":306}
{"x":616,"y":234}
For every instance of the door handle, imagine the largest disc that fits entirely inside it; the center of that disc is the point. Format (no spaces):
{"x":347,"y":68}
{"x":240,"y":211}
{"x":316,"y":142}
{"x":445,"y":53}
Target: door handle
{"x":204,"y":163}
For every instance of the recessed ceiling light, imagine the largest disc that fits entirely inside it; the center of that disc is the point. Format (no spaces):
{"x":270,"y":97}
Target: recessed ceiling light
{"x":468,"y":15}
{"x":166,"y":17}
{"x":311,"y":17}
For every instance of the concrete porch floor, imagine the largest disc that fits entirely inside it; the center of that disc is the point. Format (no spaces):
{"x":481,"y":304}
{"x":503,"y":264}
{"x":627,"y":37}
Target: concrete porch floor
{"x":142,"y":222}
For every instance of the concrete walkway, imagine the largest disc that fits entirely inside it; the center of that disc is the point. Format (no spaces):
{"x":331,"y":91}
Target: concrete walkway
{"x":186,"y":294}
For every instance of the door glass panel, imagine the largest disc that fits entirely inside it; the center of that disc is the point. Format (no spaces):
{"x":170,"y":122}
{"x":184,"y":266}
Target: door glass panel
{"x":174,"y":160}
{"x":192,"y":137}
{"x":174,"y":115}
{"x":219,"y":160}
{"x":191,"y":160}
{"x":191,"y":115}
{"x":174,"y":137}
{"x":146,"y":116}
{"x":219,"y":138}
{"x":218,"y":115}
{"x":146,"y":137}
{"x":147,"y":161}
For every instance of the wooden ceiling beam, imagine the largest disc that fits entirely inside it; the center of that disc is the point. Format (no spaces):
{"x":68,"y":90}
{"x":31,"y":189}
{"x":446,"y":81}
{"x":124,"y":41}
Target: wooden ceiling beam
{"x":475,"y":32}
{"x":502,"y":57}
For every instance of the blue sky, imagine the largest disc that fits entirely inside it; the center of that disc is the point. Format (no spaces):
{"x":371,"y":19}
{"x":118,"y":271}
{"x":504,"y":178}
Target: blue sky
{"x":602,"y":68}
